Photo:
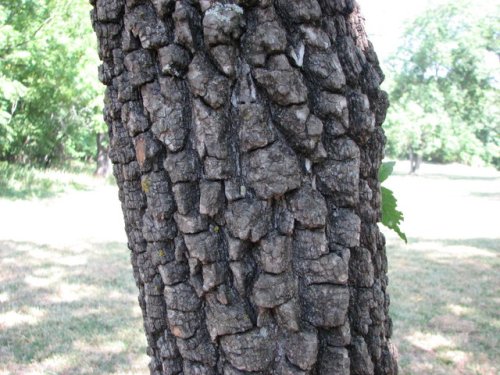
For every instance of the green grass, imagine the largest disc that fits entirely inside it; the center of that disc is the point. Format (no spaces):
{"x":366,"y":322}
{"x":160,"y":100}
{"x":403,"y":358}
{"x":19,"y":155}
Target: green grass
{"x":68,"y":303}
{"x":25,"y":182}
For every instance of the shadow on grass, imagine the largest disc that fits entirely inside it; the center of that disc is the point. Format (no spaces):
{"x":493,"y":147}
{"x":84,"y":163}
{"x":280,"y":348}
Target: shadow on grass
{"x":490,"y":196}
{"x":23,"y":182}
{"x":444,"y":176}
{"x":457,"y":177}
{"x":30,"y":187}
{"x":492,"y":244}
{"x":445,"y":306}
{"x":69,"y":311}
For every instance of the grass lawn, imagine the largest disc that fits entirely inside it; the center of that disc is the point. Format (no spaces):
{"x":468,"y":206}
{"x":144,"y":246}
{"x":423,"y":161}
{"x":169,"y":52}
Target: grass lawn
{"x":445,"y":284}
{"x":24,"y":182}
{"x":68,"y":303}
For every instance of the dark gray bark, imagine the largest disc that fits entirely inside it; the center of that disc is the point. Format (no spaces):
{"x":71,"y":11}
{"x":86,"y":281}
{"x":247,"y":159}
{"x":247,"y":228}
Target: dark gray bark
{"x":246,"y":141}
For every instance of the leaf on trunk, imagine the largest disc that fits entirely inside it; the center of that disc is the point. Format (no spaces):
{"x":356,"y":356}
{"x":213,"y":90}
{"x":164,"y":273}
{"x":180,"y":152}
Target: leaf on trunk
{"x":391,"y":216}
{"x":386,"y":170}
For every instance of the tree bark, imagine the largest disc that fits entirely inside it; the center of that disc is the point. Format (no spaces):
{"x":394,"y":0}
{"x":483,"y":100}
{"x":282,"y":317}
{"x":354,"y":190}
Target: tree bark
{"x":246,"y":140}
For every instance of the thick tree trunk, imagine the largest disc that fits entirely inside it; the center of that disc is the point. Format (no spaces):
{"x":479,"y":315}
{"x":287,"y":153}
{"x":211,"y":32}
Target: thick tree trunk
{"x":246,"y":142}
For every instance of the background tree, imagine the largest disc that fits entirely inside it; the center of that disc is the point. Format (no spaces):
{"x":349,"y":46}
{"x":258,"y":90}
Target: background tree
{"x":444,"y":87}
{"x":49,"y":103}
{"x":246,"y":143}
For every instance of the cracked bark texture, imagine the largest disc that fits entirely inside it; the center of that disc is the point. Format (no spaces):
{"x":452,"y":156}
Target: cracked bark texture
{"x":246,"y":139}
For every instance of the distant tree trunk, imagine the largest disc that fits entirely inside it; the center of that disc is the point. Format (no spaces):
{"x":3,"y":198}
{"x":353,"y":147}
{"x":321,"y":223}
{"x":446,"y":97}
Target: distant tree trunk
{"x":103,"y":164}
{"x":246,"y":142}
{"x":415,"y":161}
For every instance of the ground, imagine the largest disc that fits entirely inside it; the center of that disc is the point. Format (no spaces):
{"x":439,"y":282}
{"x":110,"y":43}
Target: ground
{"x":68,"y":303}
{"x":445,"y":284}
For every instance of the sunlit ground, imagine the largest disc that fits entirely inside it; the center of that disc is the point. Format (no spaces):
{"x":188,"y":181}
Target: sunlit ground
{"x":445,"y":284}
{"x":68,"y":304}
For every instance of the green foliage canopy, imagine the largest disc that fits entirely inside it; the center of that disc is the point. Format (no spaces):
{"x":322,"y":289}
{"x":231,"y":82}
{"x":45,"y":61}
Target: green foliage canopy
{"x":50,"y":98}
{"x":444,"y":89}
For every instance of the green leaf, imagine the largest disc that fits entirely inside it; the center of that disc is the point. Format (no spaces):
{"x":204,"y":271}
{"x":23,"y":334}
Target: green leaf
{"x":391,"y":216}
{"x":386,"y":170}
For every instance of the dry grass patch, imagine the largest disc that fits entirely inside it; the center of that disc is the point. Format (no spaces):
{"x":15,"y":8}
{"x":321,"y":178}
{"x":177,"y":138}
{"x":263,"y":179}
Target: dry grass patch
{"x":67,"y":313}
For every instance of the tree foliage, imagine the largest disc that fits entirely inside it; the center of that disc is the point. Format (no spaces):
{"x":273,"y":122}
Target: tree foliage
{"x":49,"y":98}
{"x":444,"y":88}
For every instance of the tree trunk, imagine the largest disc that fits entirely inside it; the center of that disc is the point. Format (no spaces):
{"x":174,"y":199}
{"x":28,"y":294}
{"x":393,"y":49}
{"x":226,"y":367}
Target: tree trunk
{"x":415,"y":161}
{"x":103,"y":164}
{"x":246,"y":142}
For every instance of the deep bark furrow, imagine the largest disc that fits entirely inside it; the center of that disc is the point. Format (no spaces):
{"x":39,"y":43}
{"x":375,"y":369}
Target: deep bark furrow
{"x":246,"y":142}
